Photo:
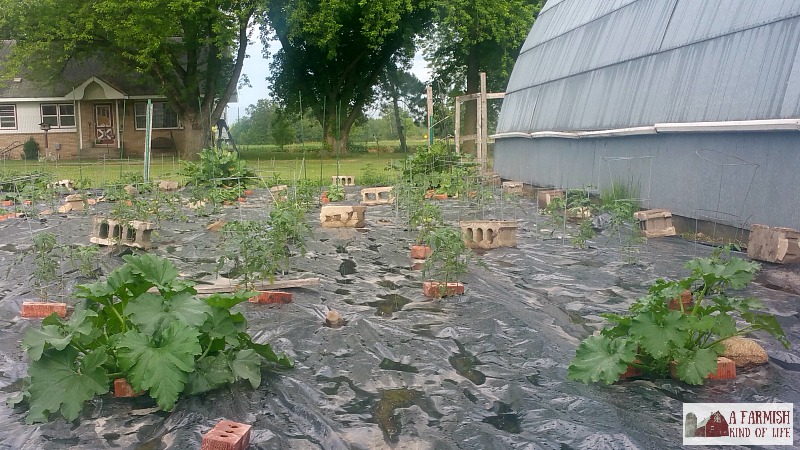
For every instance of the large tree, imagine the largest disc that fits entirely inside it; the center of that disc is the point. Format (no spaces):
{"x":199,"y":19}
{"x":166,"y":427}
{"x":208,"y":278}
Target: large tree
{"x":193,"y":48}
{"x":334,"y":51}
{"x":399,"y":85}
{"x":474,"y":36}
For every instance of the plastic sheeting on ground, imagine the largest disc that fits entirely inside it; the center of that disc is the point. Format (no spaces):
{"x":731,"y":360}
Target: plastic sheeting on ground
{"x":480,"y":371}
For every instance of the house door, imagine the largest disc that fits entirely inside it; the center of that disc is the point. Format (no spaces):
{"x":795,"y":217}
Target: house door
{"x":104,"y":124}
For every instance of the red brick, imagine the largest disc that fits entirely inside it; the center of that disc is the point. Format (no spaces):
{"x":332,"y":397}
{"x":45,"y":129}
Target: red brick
{"x":631,"y":372}
{"x":420,"y":251}
{"x":38,"y":310}
{"x":123,"y":389}
{"x":726,"y":370}
{"x":227,"y":435}
{"x":434,"y":289}
{"x":272,"y":297}
{"x":685,"y":298}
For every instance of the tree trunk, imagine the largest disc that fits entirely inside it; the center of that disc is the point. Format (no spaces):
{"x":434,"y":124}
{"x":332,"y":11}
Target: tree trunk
{"x":469,"y":119}
{"x":401,"y":132}
{"x":195,"y":138}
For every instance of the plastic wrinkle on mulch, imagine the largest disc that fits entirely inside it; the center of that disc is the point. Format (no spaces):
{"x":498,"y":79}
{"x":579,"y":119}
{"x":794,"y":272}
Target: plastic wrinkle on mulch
{"x":483,"y":370}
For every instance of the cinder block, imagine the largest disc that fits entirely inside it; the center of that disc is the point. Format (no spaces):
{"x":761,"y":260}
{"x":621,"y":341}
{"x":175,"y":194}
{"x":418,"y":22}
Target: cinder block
{"x":513,"y":187}
{"x":334,"y":216}
{"x":775,"y":245}
{"x":437,"y":289}
{"x":547,"y":195}
{"x":165,"y":185}
{"x":38,"y":310}
{"x":112,"y":232}
{"x":377,"y":196}
{"x":267,"y":297}
{"x":279,"y":192}
{"x":343,"y":180}
{"x":487,"y":234}
{"x":227,"y":435}
{"x":123,"y":389}
{"x":655,"y":222}
{"x":420,"y":251}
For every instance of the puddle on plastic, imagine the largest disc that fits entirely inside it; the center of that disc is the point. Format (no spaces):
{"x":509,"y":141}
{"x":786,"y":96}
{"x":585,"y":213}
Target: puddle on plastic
{"x":388,"y":364}
{"x":347,"y":267}
{"x":390,"y":303}
{"x":388,"y":284}
{"x":505,"y":420}
{"x":384,"y":409}
{"x":464,"y":363}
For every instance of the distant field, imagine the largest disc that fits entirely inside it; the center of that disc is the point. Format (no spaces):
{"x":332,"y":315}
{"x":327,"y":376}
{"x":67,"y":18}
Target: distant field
{"x":287,"y":167}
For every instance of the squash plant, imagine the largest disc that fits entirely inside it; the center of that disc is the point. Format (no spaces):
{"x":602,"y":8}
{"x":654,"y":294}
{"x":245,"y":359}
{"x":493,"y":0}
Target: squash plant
{"x":144,"y":325}
{"x":652,"y":337}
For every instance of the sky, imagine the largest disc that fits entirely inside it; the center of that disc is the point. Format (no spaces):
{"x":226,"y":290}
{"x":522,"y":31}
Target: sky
{"x":257,"y":70}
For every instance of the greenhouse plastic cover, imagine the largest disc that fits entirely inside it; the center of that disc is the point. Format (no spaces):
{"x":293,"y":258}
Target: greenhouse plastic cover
{"x":479,"y":371}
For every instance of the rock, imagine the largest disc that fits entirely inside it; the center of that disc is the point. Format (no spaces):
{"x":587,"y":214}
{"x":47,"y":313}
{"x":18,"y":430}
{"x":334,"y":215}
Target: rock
{"x":165,"y":185}
{"x":65,"y":208}
{"x":744,"y":352}
{"x":130,"y":190}
{"x":333,"y":319}
{"x":216,"y":226}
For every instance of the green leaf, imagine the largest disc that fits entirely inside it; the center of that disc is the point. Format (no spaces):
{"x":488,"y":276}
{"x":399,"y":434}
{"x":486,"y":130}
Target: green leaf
{"x":211,"y":372}
{"x":221,"y":324}
{"x":768,"y":323}
{"x":694,"y":366}
{"x":266,"y":351}
{"x":246,"y":365}
{"x":228,"y":301}
{"x":152,"y":312}
{"x":60,"y":381}
{"x":724,"y":325}
{"x":158,"y":271}
{"x":601,"y":359}
{"x":59,"y":334}
{"x":657,"y":335}
{"x":160,"y":365}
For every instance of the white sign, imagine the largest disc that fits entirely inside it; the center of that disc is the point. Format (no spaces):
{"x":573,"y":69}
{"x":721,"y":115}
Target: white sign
{"x":738,"y":424}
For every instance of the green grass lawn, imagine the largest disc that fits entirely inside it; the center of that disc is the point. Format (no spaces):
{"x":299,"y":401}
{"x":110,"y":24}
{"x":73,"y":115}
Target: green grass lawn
{"x":285,"y":166}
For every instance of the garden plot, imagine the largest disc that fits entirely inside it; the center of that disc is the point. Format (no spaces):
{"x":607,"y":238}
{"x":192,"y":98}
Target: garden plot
{"x":487,"y":369}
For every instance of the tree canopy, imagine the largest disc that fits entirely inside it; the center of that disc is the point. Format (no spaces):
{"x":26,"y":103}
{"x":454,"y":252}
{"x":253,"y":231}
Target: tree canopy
{"x":193,"y":48}
{"x":334,"y":52}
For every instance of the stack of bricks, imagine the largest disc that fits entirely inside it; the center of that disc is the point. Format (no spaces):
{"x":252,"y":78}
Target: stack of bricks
{"x":377,"y":196}
{"x":488,"y":234}
{"x":73,"y":202}
{"x":546,"y":196}
{"x":113,"y":232}
{"x":775,"y":245}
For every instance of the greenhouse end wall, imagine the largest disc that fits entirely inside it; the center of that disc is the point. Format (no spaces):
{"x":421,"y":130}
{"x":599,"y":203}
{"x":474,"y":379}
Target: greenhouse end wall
{"x":732,"y":178}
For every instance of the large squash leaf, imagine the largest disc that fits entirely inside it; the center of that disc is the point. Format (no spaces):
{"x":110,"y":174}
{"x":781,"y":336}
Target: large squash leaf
{"x":658,"y":334}
{"x":693,"y":366}
{"x":599,"y":358}
{"x":151,"y":312}
{"x":161,"y":364}
{"x":61,"y":381}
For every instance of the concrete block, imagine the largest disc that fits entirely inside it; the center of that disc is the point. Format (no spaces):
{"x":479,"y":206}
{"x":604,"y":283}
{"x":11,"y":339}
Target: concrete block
{"x":342,"y":216}
{"x":227,"y":435}
{"x":130,"y":190}
{"x":655,"y":222}
{"x":165,"y":185}
{"x":775,"y":245}
{"x":487,"y":234}
{"x":279,"y":192}
{"x":546,"y":196}
{"x":343,"y":180}
{"x":269,"y":297}
{"x":513,"y":187}
{"x":377,"y":196}
{"x":38,"y":310}
{"x":437,"y":289}
{"x":113,"y":232}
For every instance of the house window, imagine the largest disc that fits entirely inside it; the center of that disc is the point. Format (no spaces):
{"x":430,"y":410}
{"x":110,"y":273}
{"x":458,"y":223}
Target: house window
{"x":8,"y":116}
{"x":163,"y":116}
{"x":59,"y":115}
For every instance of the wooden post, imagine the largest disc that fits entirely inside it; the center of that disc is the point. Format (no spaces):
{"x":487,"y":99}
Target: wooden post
{"x":430,"y":115}
{"x":458,"y":126}
{"x":483,"y":123}
{"x":478,"y":126}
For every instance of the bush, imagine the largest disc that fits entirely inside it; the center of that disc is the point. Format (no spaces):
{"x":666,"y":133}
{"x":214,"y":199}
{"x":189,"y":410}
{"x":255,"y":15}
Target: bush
{"x":31,"y":149}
